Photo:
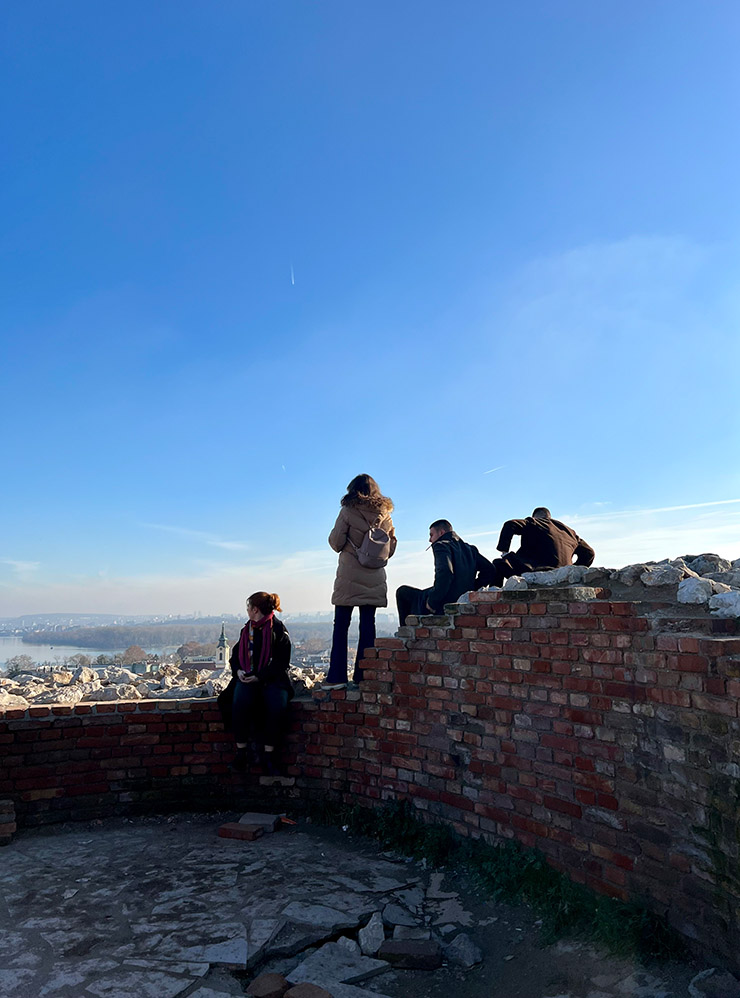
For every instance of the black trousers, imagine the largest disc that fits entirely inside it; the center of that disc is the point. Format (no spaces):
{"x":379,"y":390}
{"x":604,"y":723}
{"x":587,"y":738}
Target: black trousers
{"x":504,"y":568}
{"x":259,"y":713}
{"x":338,"y":658}
{"x":410,"y":600}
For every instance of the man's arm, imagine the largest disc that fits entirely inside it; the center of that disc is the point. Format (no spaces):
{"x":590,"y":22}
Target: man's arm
{"x":584,"y":553}
{"x":444,"y":570}
{"x":483,"y":568}
{"x":508,"y":530}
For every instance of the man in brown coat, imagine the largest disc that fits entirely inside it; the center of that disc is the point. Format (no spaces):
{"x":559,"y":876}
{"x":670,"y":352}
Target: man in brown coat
{"x":545,"y":543}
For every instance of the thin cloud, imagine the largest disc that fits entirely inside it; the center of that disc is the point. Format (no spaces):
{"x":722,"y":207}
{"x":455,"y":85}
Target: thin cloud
{"x":491,"y":470}
{"x":199,"y":535}
{"x":655,"y":509}
{"x":21,"y":567}
{"x":596,"y":519}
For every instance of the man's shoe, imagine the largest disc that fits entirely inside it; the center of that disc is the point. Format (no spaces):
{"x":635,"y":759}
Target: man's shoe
{"x":239,"y":762}
{"x":333,"y":686}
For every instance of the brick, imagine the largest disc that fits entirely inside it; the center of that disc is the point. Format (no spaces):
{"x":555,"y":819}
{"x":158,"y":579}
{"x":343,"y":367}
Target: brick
{"x":235,"y":830}
{"x":268,"y":986}
{"x":563,"y":806}
{"x":715,"y":705}
{"x":411,"y":954}
{"x":307,"y":991}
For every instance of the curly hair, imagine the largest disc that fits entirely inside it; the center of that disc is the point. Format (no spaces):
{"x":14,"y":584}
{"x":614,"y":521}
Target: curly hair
{"x":363,"y":490}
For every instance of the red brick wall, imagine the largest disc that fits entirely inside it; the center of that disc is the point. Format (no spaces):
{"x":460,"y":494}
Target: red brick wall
{"x":574,"y":726}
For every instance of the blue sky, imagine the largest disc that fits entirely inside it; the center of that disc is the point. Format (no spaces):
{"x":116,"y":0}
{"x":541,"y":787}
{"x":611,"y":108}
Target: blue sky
{"x":514,"y":232}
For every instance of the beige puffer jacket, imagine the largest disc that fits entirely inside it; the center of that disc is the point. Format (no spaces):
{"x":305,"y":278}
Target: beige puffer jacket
{"x":356,"y":585}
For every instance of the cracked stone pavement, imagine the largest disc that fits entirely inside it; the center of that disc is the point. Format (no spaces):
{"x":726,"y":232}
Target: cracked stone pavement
{"x":159,"y":908}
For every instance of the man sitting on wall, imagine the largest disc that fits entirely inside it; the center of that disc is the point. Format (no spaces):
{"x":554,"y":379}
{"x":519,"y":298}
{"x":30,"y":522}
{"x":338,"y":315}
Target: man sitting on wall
{"x":545,"y":543}
{"x":458,"y":568}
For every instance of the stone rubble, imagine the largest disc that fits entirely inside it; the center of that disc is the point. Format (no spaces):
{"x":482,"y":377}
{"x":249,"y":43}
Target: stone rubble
{"x":334,"y":963}
{"x":114,"y":683}
{"x":463,"y":951}
{"x":705,"y":579}
{"x":726,"y":604}
{"x":372,"y":935}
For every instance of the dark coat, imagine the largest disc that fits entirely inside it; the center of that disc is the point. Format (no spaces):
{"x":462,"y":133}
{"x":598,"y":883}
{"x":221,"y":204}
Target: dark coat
{"x":545,"y":543}
{"x":456,"y":569}
{"x":275,"y":673}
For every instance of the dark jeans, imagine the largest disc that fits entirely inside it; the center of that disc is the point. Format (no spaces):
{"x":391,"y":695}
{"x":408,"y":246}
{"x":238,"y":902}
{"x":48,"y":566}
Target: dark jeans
{"x":338,"y":660}
{"x":504,"y":568}
{"x":411,"y":600}
{"x":259,"y":713}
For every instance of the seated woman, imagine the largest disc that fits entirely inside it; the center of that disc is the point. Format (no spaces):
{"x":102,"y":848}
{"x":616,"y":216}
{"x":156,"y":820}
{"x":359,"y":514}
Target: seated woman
{"x":259,"y":663}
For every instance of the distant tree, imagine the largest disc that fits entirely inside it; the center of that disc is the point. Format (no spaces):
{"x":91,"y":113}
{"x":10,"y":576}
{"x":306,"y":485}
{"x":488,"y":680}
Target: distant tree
{"x":103,"y":660}
{"x":133,"y":655}
{"x":192,"y":649}
{"x":78,"y":661}
{"x":18,"y":664}
{"x":187,"y":650}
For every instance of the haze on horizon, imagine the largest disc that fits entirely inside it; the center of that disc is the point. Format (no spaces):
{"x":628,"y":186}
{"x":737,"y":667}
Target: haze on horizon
{"x":488,"y":256}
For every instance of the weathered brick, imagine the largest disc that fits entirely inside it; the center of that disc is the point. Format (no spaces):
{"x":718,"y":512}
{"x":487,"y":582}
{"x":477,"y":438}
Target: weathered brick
{"x":268,"y":986}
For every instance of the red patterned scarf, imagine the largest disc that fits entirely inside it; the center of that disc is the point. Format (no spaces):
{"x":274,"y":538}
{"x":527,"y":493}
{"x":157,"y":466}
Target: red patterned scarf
{"x":246,"y":645}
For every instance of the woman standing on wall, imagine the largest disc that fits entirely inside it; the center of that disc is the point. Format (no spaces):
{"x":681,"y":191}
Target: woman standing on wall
{"x":364,"y":516}
{"x":262,"y":689}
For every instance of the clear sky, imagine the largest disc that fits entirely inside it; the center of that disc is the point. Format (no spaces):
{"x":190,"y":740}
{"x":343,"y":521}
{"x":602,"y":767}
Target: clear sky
{"x":486,"y":252}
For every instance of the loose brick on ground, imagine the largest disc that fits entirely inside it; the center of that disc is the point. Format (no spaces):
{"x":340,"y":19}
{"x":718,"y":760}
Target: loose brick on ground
{"x":235,"y":830}
{"x":411,"y":954}
{"x":268,"y":986}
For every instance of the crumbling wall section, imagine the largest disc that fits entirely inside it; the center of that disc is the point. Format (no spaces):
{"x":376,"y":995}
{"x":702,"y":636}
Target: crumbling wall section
{"x":586,"y":727}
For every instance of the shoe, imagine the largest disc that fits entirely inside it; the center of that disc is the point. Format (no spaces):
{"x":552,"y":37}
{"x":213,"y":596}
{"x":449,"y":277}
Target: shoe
{"x":270,"y":762}
{"x":272,"y":766}
{"x":333,"y":686}
{"x":239,"y":762}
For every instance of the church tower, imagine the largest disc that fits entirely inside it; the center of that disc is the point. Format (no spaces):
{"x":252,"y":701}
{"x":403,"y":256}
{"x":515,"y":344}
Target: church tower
{"x":222,"y":652}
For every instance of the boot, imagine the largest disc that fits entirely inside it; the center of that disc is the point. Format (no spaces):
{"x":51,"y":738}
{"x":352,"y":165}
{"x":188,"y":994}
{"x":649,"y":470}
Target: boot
{"x":270,"y":763}
{"x":239,"y":762}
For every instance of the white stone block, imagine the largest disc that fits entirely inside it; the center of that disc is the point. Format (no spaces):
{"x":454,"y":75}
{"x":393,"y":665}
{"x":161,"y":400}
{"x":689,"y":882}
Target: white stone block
{"x":695,"y":591}
{"x":726,"y":604}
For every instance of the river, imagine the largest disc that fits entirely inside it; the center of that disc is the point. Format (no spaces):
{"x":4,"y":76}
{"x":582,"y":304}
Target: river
{"x":12,"y":646}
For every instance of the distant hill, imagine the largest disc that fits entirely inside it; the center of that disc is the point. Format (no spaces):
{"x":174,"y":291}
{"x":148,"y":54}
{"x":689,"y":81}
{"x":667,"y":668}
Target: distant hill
{"x":114,"y":636}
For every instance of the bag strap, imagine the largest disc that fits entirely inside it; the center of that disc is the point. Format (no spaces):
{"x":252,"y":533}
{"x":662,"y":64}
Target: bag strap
{"x":370,"y":526}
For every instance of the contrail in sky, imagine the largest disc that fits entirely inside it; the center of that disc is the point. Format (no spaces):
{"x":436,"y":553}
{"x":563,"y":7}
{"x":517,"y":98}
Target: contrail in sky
{"x":491,"y":470}
{"x":292,"y":275}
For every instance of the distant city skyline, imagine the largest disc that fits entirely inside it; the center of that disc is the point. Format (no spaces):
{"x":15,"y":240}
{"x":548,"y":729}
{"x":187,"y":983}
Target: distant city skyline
{"x":488,"y":255}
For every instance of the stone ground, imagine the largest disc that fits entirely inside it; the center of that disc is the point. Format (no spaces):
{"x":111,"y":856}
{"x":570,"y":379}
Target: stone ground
{"x":163,"y":908}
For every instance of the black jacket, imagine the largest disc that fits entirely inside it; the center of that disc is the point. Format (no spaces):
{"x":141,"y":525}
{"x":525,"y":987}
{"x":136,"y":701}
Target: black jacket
{"x":456,"y":569}
{"x":275,"y":673}
{"x":545,"y":543}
